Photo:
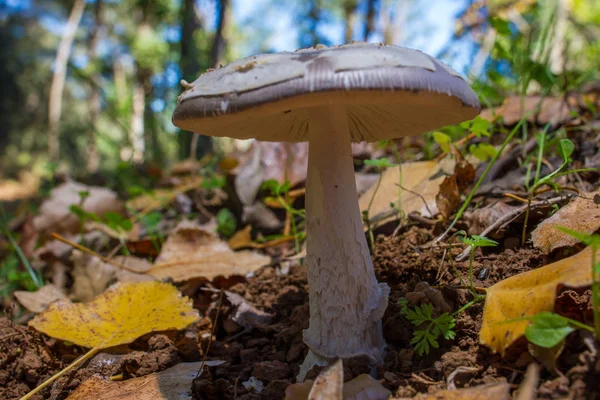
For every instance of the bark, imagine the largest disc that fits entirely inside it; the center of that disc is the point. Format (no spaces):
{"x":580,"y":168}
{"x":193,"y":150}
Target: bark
{"x":220,"y":42}
{"x":58,"y":79}
{"x":350,"y":14}
{"x":369,"y":20}
{"x":191,"y":145}
{"x":93,"y":160}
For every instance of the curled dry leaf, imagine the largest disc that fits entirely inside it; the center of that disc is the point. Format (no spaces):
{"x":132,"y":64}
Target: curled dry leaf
{"x":582,"y":215}
{"x":39,"y":300}
{"x":191,"y":252}
{"x":481,"y":218}
{"x":118,"y":316}
{"x":91,"y":276}
{"x":330,"y":385}
{"x":55,"y":215}
{"x":171,"y":384}
{"x":493,"y":391}
{"x":527,"y":294}
{"x":449,"y":196}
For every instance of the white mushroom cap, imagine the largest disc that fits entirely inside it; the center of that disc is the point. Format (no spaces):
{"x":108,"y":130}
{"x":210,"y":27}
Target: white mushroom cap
{"x":388,"y":92}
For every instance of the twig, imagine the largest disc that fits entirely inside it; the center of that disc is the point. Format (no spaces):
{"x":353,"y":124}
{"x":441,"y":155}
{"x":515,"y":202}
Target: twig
{"x":419,"y":195}
{"x":92,"y":253}
{"x":509,"y":217}
{"x":212,"y":332}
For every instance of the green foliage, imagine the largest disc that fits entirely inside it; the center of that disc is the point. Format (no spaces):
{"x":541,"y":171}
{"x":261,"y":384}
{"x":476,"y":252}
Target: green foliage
{"x":427,"y":328}
{"x":226,"y":222}
{"x":214,"y":182}
{"x":483,"y":151}
{"x":443,"y":140}
{"x":478,"y":241}
{"x":548,"y":329}
{"x":380,"y":163}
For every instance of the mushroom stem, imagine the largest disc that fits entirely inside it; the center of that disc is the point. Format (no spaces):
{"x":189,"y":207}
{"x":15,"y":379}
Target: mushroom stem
{"x":346,"y":302}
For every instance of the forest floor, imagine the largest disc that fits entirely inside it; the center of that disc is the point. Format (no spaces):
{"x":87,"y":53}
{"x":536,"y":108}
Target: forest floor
{"x":253,"y":306}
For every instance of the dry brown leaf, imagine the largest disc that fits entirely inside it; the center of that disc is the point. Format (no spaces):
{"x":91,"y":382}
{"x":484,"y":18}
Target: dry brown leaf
{"x":422,"y":177}
{"x":330,"y":385}
{"x":551,"y":109}
{"x":156,"y":199}
{"x":493,"y":391}
{"x":582,"y":215}
{"x":54,"y":214}
{"x":171,"y":384}
{"x":91,"y":276}
{"x":527,"y":294}
{"x":27,"y":186}
{"x":481,"y":218}
{"x":191,"y":252}
{"x":448,"y":198}
{"x":39,"y":300}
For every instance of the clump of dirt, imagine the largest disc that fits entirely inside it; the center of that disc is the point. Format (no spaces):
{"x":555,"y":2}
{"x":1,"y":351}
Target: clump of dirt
{"x":26,"y":359}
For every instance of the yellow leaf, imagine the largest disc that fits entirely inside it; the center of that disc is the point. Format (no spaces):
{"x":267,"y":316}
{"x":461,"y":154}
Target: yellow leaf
{"x":118,"y":316}
{"x":172,"y":383}
{"x":527,"y":294}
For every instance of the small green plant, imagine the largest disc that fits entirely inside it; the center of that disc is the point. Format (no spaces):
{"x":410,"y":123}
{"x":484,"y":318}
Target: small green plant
{"x":474,"y":242}
{"x":226,"y":222}
{"x":281,"y":193}
{"x":428,"y":329}
{"x":380,"y":164}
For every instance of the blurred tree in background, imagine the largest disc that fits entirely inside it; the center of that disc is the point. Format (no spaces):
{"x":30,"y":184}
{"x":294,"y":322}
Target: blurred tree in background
{"x":89,"y":84}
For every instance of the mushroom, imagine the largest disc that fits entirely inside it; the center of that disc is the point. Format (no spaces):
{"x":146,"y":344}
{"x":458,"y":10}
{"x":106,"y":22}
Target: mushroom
{"x":331,"y":97}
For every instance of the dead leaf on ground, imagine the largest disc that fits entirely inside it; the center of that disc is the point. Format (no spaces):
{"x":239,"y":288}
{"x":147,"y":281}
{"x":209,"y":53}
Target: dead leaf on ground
{"x":153,"y":200}
{"x":551,"y":109}
{"x":91,"y":276}
{"x":493,"y":391}
{"x":582,"y":215}
{"x":452,"y":187}
{"x":39,"y":300}
{"x":422,"y":177}
{"x":527,"y":294}
{"x":171,"y":384}
{"x":191,"y":252}
{"x":118,"y":316}
{"x":54,"y":214}
{"x":246,"y":314}
{"x":481,"y":218}
{"x":330,"y":385}
{"x":27,"y":186}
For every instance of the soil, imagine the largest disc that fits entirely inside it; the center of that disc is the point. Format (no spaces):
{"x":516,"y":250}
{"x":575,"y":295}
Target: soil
{"x":263,"y":339}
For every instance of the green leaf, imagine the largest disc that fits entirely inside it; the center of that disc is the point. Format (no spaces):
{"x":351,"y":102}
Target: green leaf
{"x":379,"y":163}
{"x":588,"y":240}
{"x":483,"y":151}
{"x":226,"y":222}
{"x":548,"y":329}
{"x":214,"y":182}
{"x":501,"y":25}
{"x":478,"y":241}
{"x":442,"y":140}
{"x":564,"y":149}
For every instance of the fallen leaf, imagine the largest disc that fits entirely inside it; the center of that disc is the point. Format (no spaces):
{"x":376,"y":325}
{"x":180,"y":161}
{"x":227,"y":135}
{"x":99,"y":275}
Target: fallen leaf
{"x":582,"y":215}
{"x":246,"y":314}
{"x":527,"y":294}
{"x":448,"y":198}
{"x":171,"y":384}
{"x":191,"y":252}
{"x":328,"y":386}
{"x":493,"y":391}
{"x":118,"y":316}
{"x":481,"y":218}
{"x":39,"y":300}
{"x":542,"y":110}
{"x":27,"y":186}
{"x":91,"y":276}
{"x":153,"y":200}
{"x":55,"y":215}
{"x":422,"y":177}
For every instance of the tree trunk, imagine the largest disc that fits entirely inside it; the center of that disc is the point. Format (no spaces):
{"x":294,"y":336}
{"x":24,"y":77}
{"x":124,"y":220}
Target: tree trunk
{"x":369,"y":20}
{"x":93,"y":160}
{"x":58,"y":79}
{"x":191,"y":145}
{"x":220,"y":42}
{"x":350,"y":11}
